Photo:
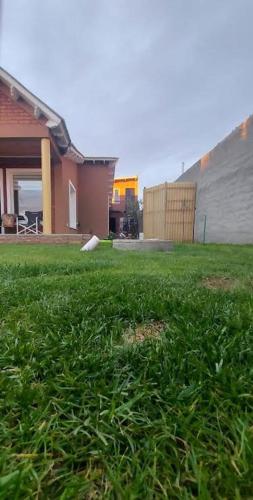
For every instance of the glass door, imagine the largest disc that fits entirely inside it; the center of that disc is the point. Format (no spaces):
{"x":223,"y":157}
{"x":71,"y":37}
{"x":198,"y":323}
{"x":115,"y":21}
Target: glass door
{"x":27,"y":193}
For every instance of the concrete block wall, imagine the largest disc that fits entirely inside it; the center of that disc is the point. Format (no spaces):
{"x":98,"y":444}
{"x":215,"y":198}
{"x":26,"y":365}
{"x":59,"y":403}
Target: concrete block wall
{"x":224,"y":180}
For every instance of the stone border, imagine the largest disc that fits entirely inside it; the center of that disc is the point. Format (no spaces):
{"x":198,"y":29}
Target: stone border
{"x":143,"y":245}
{"x":49,"y":239}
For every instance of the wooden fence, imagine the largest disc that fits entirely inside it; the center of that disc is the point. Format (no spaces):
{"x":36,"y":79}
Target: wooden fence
{"x":169,"y":211}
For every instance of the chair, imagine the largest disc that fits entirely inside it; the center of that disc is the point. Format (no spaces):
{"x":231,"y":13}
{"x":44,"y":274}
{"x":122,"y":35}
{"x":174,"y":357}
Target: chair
{"x":29,"y":223}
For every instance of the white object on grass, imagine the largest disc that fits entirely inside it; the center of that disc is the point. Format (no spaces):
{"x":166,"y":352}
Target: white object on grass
{"x":91,"y":244}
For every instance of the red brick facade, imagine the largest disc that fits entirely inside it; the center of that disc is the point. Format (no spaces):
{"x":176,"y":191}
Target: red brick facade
{"x":14,"y":113}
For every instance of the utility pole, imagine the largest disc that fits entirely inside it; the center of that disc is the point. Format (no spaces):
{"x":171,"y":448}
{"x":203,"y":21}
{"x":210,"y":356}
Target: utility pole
{"x":182,"y":168}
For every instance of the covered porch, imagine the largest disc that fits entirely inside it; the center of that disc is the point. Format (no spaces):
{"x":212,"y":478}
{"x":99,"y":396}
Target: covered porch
{"x":26,"y":177}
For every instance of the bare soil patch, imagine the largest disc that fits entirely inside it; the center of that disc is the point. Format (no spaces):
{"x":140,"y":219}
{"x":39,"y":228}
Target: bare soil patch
{"x":143,"y":332}
{"x":221,"y":282}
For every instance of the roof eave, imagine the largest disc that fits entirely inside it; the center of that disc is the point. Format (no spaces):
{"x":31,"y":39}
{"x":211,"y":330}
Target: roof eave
{"x":55,"y":122}
{"x":101,"y":159}
{"x":73,"y":154}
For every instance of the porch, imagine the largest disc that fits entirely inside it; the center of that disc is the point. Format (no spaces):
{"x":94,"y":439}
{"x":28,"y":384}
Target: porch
{"x":26,"y":177}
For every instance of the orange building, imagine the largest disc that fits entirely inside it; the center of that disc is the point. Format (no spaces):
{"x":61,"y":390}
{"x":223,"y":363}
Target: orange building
{"x":125,"y":194}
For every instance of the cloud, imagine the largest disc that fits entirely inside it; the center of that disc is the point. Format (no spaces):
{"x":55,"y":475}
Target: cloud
{"x":154,"y":82}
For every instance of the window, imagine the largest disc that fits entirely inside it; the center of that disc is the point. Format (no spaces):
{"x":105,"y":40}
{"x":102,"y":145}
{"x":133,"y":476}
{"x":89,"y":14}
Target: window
{"x":129,"y":198}
{"x":72,"y":206}
{"x":116,"y":196}
{"x":24,"y":190}
{"x":27,"y":193}
{"x":129,"y":193}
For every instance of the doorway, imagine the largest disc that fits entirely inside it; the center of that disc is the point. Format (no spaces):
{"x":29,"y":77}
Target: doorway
{"x":112,"y":224}
{"x":24,"y":191}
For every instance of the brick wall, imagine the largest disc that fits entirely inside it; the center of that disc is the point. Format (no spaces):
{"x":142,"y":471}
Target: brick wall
{"x":93,"y":207}
{"x":12,"y":112}
{"x":54,"y":239}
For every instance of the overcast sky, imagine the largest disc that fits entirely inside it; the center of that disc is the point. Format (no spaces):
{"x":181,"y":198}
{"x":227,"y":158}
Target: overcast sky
{"x":155,"y":82}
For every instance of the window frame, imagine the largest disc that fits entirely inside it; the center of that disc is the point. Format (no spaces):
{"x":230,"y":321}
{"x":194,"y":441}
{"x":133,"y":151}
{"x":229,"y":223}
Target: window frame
{"x":1,"y":191}
{"x":72,"y":216}
{"x":10,"y":174}
{"x":116,"y":200}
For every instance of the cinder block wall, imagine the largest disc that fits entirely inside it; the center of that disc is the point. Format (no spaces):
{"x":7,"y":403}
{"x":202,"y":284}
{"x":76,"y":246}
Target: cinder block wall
{"x":225,"y":189}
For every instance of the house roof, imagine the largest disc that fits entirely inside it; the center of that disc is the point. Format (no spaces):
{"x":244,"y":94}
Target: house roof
{"x":55,"y":122}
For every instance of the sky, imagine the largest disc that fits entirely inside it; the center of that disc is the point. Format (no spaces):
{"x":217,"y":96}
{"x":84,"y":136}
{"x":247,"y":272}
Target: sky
{"x":153,"y":82}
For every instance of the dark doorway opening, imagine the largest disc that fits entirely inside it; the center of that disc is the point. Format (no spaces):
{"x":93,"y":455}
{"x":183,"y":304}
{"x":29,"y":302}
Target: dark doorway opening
{"x":112,"y":224}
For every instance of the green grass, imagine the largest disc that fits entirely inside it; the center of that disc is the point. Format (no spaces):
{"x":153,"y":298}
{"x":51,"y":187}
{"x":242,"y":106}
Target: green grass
{"x":85,"y":415}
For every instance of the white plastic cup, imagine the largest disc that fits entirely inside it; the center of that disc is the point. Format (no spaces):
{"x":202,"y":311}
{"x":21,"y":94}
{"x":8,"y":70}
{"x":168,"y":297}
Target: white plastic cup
{"x":91,"y":244}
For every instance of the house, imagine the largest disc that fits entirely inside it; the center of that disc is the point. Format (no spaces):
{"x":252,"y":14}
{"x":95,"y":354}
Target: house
{"x":125,"y":196}
{"x":41,"y":170}
{"x":224,"y":198}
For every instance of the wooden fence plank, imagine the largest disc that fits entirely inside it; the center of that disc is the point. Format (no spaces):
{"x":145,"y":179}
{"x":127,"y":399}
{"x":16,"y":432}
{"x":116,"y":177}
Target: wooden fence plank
{"x":169,"y":211}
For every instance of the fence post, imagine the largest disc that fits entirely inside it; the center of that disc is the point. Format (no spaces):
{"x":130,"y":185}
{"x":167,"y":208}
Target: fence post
{"x":143,"y":212}
{"x":165,"y":210}
{"x":204,"y":233}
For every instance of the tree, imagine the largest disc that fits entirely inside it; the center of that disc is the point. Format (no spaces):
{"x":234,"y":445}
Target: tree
{"x":133,"y":217}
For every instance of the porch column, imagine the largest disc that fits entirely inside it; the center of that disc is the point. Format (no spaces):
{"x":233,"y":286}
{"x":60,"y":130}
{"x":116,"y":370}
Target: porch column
{"x":46,"y":185}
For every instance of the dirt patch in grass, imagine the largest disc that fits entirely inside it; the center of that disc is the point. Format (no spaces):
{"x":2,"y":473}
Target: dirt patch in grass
{"x":143,"y":332}
{"x":221,"y":282}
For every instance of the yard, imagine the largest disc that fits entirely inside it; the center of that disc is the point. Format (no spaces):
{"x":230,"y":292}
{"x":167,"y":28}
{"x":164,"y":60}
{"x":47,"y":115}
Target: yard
{"x":126,"y":375}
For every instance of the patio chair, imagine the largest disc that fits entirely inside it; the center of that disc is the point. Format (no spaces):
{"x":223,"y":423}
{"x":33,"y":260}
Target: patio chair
{"x":29,"y":223}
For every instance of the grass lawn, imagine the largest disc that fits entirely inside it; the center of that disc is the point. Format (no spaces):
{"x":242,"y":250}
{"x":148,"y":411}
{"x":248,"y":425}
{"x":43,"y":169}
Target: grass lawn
{"x":88,"y":413}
